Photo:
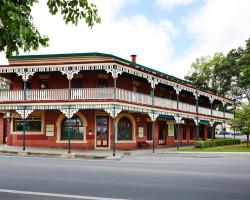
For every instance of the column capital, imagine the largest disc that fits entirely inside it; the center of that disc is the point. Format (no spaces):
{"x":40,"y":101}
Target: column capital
{"x":113,"y":112}
{"x":24,"y":113}
{"x":177,"y":89}
{"x":70,"y":73}
{"x":197,"y":94}
{"x":153,"y":115}
{"x":114,"y":72}
{"x":25,"y":75}
{"x":69,"y":112}
{"x":153,"y":82}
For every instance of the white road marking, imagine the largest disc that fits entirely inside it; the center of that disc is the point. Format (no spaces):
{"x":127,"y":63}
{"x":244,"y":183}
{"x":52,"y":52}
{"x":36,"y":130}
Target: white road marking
{"x":56,"y":195}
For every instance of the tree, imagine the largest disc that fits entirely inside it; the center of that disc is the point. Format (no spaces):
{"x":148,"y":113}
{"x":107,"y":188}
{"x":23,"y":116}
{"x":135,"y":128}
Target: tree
{"x":17,"y":30}
{"x":242,"y":120}
{"x":227,"y":75}
{"x":204,"y":72}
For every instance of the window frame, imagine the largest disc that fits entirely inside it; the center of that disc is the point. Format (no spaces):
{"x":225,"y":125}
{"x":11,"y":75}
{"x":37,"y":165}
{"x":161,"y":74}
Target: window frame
{"x":35,"y":114}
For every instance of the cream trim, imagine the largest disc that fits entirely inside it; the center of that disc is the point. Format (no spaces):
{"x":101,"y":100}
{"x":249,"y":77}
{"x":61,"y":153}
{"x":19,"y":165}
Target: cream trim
{"x":132,"y":120}
{"x":33,"y":114}
{"x":58,"y":129}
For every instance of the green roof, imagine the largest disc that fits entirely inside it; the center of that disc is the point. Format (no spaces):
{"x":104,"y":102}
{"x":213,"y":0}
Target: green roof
{"x":169,"y":77}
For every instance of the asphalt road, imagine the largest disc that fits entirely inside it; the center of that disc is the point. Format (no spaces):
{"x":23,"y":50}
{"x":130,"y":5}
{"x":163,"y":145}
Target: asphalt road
{"x":162,"y":176}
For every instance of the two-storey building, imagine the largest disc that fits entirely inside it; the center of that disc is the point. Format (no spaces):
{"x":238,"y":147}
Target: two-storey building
{"x":95,"y":100}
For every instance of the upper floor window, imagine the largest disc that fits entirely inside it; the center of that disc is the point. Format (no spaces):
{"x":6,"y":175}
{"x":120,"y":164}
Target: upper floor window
{"x":44,"y":84}
{"x":134,"y":88}
{"x":77,"y":83}
{"x":102,"y":83}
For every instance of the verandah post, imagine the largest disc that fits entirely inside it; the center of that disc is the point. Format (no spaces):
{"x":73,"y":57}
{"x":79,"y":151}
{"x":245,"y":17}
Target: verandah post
{"x":24,"y":110}
{"x":197,"y":115}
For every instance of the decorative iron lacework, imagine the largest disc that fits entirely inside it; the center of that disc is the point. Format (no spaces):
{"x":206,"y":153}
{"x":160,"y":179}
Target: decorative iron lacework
{"x":107,"y":67}
{"x":24,"y":113}
{"x":107,"y":107}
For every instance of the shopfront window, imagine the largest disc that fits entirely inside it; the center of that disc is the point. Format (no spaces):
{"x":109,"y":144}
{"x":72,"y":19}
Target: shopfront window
{"x":76,"y":128}
{"x":192,"y":132}
{"x":124,"y":129}
{"x":184,"y":134}
{"x":149,"y":130}
{"x":32,"y":124}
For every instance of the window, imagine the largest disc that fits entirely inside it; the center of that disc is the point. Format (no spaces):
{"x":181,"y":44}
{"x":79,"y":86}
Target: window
{"x":44,"y":84}
{"x":77,"y":83}
{"x":175,"y":131}
{"x":134,"y":89}
{"x":76,"y":128}
{"x":191,"y":133}
{"x":32,"y":124}
{"x":149,"y":130}
{"x":102,"y":83}
{"x":124,"y":129}
{"x":184,"y":133}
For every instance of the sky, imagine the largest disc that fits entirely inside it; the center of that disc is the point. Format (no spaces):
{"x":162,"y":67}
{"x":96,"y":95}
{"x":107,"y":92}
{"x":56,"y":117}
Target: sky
{"x":166,"y":35}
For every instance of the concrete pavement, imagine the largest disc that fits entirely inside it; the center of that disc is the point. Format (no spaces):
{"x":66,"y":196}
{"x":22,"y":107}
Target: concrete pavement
{"x":108,"y":154}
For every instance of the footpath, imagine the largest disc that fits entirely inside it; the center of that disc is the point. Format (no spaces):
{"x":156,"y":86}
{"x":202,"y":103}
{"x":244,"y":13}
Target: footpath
{"x":108,"y":154}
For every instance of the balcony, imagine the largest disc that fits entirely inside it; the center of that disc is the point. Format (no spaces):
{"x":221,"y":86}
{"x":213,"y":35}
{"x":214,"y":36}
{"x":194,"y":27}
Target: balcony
{"x":102,"y":94}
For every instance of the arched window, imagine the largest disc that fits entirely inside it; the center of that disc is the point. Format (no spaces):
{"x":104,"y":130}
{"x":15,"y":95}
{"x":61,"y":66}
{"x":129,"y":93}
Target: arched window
{"x":124,"y":129}
{"x":76,"y":128}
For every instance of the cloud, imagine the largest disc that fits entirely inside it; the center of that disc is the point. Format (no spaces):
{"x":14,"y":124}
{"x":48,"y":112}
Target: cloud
{"x":151,"y":41}
{"x":171,"y":3}
{"x":217,"y":26}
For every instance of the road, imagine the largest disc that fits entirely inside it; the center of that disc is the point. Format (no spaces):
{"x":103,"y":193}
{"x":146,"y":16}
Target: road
{"x":160,"y":176}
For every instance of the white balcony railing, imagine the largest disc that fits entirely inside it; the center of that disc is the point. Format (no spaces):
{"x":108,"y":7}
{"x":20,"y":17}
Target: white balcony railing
{"x":50,"y":94}
{"x":103,"y":94}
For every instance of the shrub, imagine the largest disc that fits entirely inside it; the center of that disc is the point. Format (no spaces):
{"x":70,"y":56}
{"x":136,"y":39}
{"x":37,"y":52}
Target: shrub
{"x":216,"y":143}
{"x":199,"y":144}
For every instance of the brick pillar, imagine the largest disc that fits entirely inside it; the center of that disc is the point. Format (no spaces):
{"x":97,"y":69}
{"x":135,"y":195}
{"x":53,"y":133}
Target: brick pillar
{"x":1,"y":128}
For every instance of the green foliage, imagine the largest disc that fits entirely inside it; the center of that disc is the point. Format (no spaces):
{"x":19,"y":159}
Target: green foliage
{"x":75,"y":10}
{"x":242,"y":119}
{"x":216,"y":143}
{"x":17,"y":30}
{"x":227,"y":75}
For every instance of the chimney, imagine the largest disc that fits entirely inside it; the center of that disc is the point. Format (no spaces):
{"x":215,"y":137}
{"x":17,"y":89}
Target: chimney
{"x":133,"y":58}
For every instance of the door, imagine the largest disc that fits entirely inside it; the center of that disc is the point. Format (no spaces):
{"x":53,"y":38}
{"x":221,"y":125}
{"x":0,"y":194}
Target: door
{"x":162,"y":132}
{"x":102,"y":131}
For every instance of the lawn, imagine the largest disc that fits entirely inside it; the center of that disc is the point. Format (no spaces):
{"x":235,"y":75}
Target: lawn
{"x":229,"y":148}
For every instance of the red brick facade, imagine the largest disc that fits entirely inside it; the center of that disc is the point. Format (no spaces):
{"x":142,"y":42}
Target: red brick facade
{"x":134,"y":93}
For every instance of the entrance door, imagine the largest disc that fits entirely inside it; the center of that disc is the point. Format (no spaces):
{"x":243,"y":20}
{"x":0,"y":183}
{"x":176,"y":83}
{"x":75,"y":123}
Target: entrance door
{"x":162,"y":132}
{"x":102,"y":131}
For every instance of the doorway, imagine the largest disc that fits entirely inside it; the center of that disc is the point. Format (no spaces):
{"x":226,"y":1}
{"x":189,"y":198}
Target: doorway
{"x":162,"y":132}
{"x":102,"y":131}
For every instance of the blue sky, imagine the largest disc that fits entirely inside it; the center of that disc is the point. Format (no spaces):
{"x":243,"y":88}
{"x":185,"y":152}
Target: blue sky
{"x":166,"y":35}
